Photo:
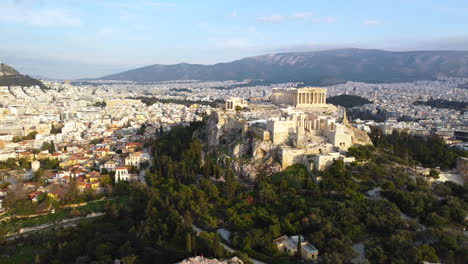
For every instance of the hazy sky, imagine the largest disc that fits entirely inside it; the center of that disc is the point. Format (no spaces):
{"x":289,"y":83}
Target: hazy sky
{"x":90,"y":38}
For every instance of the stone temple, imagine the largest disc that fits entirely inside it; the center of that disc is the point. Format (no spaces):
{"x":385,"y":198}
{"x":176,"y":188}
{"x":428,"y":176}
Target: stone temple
{"x":295,"y":126}
{"x":300,"y":97}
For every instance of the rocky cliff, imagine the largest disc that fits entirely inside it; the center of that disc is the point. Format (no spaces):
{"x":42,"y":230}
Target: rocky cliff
{"x":226,"y":135}
{"x":359,"y":137}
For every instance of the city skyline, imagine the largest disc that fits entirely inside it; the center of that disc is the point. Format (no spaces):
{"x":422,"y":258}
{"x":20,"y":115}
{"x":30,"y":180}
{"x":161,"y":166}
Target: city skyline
{"x":76,"y":39}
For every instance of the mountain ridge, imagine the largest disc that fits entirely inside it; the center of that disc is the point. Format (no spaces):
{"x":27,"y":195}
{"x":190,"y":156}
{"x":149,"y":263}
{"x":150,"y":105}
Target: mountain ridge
{"x":316,"y":67}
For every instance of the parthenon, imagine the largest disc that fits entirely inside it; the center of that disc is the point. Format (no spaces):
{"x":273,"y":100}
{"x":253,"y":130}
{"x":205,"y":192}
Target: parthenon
{"x":300,"y":97}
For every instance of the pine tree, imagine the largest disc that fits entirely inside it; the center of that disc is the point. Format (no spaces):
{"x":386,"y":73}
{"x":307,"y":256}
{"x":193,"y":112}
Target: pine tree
{"x":194,"y":240}
{"x":188,"y":245}
{"x":217,"y":248}
{"x":299,"y":246}
{"x":52,"y":147}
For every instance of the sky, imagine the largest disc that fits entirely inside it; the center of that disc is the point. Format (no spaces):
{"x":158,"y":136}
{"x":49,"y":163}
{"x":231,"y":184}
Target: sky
{"x":72,"y":39}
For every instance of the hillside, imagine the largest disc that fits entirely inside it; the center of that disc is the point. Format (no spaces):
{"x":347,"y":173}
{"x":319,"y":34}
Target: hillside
{"x":315,"y":68}
{"x":7,"y":70}
{"x":11,"y":77}
{"x":346,"y":100}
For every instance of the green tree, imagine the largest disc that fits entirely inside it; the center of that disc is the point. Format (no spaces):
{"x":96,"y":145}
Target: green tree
{"x":216,"y":246}
{"x":52,"y":147}
{"x":299,"y":246}
{"x":30,"y":135}
{"x":45,"y":145}
{"x":434,"y":174}
{"x":188,"y":243}
{"x":428,"y":253}
{"x":3,"y":232}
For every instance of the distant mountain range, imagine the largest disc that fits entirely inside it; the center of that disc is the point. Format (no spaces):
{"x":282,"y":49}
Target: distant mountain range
{"x":11,"y":77}
{"x":315,"y":68}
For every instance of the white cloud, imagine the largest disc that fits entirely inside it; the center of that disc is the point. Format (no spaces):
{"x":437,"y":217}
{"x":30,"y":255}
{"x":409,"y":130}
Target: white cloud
{"x":32,"y":15}
{"x":251,"y":29}
{"x":105,"y":30}
{"x":126,"y":15}
{"x":275,"y":18}
{"x":372,"y":22}
{"x":301,"y":15}
{"x":325,"y":20}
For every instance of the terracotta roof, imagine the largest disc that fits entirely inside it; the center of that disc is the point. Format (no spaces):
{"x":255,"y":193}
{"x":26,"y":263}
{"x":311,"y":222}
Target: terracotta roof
{"x":94,"y":174}
{"x":134,"y":144}
{"x":102,"y":149}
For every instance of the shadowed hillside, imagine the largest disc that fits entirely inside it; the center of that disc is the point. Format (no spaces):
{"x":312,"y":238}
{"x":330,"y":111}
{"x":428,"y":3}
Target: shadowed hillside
{"x":11,"y":77}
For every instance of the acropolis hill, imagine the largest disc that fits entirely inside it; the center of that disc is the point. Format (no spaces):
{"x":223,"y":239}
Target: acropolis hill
{"x":296,"y":126}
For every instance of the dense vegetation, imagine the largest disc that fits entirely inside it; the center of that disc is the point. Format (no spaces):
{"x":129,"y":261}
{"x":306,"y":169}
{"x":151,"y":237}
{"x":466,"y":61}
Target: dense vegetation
{"x":428,"y":151}
{"x":20,"y":80}
{"x":102,"y":104}
{"x":185,"y":188}
{"x":440,"y":103}
{"x":347,"y":101}
{"x":7,"y":70}
{"x":30,"y":136}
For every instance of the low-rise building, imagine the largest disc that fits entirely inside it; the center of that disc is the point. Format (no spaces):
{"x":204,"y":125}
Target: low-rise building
{"x":121,"y":174}
{"x":136,"y":159}
{"x":235,"y":103}
{"x":109,"y":165}
{"x":289,"y":245}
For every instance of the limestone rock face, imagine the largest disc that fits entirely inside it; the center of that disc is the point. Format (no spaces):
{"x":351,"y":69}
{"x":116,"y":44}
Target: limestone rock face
{"x":220,"y":129}
{"x":359,"y":137}
{"x":224,"y":135}
{"x":255,"y":157}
